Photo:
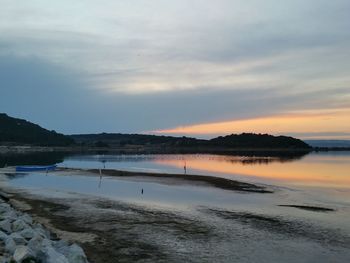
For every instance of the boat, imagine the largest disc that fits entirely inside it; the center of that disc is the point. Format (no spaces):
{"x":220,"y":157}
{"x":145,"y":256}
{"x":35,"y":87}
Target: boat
{"x":36,"y":168}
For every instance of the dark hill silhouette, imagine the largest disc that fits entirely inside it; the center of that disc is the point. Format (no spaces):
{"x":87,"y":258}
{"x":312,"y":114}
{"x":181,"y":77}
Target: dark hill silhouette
{"x":15,"y":131}
{"x":119,"y":139}
{"x":252,"y":140}
{"x":233,"y":141}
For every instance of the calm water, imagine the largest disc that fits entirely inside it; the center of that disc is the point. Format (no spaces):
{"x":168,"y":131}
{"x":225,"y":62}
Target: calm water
{"x":321,"y":177}
{"x":324,"y":170}
{"x":315,"y":179}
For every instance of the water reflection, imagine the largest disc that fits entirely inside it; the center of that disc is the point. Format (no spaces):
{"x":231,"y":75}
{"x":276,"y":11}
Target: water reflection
{"x":312,"y":170}
{"x":38,"y":158}
{"x":315,"y":169}
{"x":243,"y":157}
{"x":321,"y":170}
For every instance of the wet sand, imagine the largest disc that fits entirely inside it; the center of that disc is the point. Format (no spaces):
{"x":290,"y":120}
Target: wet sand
{"x":190,"y":179}
{"x":111,"y":231}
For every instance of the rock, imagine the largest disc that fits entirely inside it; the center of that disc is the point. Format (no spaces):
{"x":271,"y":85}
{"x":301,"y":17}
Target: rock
{"x":46,"y":243}
{"x":9,"y":214}
{"x":10,"y":244}
{"x":30,"y":242}
{"x":61,"y":246}
{"x":3,"y":236}
{"x":19,"y":240}
{"x":52,"y":256}
{"x":39,"y":229}
{"x":27,"y":219}
{"x":76,"y":254}
{"x":19,"y":225}
{"x":35,"y":244}
{"x":5,"y":225}
{"x":22,"y":253}
{"x":28,"y":233}
{"x":4,"y":208}
{"x":4,"y":259}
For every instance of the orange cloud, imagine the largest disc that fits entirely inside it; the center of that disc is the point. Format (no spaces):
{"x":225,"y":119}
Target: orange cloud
{"x":336,"y":121}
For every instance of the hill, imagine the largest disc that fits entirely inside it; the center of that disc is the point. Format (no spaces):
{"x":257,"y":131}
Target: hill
{"x":265,"y":141}
{"x":120,"y":140}
{"x":233,"y":141}
{"x":15,"y":131}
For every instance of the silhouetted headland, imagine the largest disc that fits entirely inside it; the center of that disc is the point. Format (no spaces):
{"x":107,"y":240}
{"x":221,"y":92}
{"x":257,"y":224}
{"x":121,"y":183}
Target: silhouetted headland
{"x":19,"y":135}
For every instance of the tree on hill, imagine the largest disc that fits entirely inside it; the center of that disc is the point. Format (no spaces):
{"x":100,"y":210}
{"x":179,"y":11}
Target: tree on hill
{"x":251,"y":140}
{"x":15,"y":131}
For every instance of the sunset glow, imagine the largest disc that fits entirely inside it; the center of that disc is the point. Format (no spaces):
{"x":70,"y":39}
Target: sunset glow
{"x":178,"y":67}
{"x":306,"y":124}
{"x":175,"y":131}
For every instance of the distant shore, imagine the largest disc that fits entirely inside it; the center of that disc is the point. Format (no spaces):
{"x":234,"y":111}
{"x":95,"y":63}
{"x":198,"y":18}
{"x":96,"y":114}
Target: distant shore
{"x":141,"y":149}
{"x":160,"y":149}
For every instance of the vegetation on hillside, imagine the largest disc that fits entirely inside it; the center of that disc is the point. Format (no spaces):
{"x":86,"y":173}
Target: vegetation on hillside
{"x":266,"y":141}
{"x":120,"y":140}
{"x":15,"y":131}
{"x":21,"y":132}
{"x":241,"y":141}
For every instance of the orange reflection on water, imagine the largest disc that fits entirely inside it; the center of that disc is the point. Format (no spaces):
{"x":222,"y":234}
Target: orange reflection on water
{"x":312,"y":170}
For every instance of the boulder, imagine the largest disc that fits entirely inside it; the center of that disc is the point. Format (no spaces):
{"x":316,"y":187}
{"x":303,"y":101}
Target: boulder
{"x":19,"y":225}
{"x":35,"y":244}
{"x":76,"y":254}
{"x":10,"y":244}
{"x":22,"y":253}
{"x":19,"y":240}
{"x":28,"y":233}
{"x":43,"y":232}
{"x":27,"y":219}
{"x":9,"y":215}
{"x":52,"y":256}
{"x":26,"y":241}
{"x":4,"y":259}
{"x":5,"y":225}
{"x":4,"y":208}
{"x":3,"y":236}
{"x":61,"y":246}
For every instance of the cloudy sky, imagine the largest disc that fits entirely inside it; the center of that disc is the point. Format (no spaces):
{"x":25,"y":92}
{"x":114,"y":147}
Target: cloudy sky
{"x":185,"y":67}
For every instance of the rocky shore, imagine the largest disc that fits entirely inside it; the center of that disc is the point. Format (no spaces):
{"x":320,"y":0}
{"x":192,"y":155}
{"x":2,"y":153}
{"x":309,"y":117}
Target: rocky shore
{"x":22,"y":240}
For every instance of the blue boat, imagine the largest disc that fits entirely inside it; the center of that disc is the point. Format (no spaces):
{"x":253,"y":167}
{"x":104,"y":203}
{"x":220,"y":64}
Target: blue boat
{"x":36,"y":168}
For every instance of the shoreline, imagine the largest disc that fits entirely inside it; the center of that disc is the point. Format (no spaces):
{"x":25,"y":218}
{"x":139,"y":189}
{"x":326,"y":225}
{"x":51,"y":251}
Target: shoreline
{"x":26,"y":239}
{"x":156,"y":149}
{"x":162,"y":148}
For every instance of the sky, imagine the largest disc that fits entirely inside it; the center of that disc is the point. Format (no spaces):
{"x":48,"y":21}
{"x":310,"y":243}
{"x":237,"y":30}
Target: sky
{"x":198,"y":68}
